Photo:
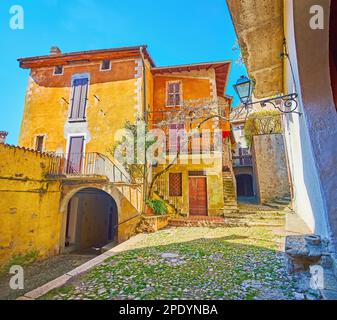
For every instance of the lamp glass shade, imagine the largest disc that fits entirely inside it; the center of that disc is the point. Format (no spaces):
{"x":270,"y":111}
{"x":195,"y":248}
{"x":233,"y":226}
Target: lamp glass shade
{"x":243,"y":88}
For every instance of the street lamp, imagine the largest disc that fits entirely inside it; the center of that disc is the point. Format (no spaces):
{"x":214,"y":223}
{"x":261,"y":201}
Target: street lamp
{"x":244,"y":88}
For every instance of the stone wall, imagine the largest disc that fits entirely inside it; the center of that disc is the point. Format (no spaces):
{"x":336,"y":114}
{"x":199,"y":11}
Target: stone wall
{"x":30,"y":220}
{"x":270,"y":165}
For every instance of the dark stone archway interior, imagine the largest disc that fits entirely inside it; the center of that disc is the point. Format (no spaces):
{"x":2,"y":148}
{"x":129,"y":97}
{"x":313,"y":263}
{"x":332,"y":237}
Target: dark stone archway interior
{"x":91,"y":220}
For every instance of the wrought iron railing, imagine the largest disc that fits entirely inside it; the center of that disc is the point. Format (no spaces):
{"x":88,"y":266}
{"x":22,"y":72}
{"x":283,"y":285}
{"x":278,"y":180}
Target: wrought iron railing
{"x":87,"y":164}
{"x":96,"y":164}
{"x":242,"y":161}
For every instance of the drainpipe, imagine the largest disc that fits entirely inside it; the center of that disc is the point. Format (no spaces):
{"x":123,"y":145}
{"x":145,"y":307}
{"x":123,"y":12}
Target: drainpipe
{"x":145,"y":116}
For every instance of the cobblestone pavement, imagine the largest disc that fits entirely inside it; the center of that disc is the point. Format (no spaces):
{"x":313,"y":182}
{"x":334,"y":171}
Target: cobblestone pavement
{"x":242,"y":263}
{"x":41,"y":272}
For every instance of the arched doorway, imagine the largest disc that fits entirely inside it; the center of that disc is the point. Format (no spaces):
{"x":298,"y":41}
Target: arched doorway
{"x":333,"y":49}
{"x":245,"y":186}
{"x":92,"y":219}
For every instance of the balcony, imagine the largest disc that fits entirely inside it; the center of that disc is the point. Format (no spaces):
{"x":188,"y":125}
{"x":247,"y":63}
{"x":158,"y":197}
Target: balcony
{"x":242,"y":161}
{"x":87,"y":164}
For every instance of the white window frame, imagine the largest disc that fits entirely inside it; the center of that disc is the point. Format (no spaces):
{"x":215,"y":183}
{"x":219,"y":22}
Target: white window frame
{"x":58,"y":74}
{"x":73,"y":78}
{"x":101,"y":66}
{"x":76,"y":135}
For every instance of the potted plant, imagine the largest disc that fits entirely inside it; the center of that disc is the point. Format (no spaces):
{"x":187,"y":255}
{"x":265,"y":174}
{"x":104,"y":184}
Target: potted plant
{"x":156,"y":207}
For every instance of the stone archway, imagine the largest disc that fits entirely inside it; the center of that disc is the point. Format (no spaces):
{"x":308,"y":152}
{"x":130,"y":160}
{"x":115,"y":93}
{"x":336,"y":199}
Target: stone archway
{"x":91,"y":220}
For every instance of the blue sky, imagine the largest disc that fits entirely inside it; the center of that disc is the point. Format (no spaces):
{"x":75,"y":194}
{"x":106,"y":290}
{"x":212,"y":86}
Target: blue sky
{"x":176,"y":31}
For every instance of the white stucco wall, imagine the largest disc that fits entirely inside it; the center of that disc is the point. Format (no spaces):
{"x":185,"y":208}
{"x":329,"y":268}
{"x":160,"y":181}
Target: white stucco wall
{"x":308,"y":197}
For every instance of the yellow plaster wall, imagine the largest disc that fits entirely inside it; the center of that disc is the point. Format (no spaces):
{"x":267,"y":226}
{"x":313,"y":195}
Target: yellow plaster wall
{"x":214,"y":184}
{"x":149,"y":87}
{"x":46,"y":108}
{"x":29,"y":205}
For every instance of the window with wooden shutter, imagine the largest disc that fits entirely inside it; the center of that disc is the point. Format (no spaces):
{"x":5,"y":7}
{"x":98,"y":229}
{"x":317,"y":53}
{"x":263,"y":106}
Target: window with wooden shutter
{"x":79,"y":99}
{"x":175,"y":184}
{"x":174,"y":97}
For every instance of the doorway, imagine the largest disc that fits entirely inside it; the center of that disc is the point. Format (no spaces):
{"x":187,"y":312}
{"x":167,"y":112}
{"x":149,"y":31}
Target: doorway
{"x":198,"y":196}
{"x":75,"y":155}
{"x":245,"y":186}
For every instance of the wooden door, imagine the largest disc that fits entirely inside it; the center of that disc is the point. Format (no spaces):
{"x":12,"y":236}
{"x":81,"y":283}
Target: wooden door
{"x":198,"y":196}
{"x":75,"y":156}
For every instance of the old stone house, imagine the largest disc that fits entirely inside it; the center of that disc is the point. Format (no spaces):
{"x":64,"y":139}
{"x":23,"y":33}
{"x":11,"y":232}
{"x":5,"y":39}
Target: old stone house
{"x":72,"y":193}
{"x":260,"y":168}
{"x":267,"y":29}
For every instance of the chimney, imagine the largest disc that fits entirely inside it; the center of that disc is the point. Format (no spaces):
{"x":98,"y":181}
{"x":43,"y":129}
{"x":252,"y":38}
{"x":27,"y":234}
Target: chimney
{"x":54,"y":51}
{"x":3,"y":136}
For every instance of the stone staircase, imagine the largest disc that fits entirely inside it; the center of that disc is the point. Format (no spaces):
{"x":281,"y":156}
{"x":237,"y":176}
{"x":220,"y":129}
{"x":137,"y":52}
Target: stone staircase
{"x":256,"y":216}
{"x":279,"y":203}
{"x":197,"y":221}
{"x":230,"y":199}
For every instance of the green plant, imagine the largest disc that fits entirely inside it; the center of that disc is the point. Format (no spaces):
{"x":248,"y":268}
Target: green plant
{"x":20,"y":260}
{"x":158,"y":206}
{"x":262,"y":122}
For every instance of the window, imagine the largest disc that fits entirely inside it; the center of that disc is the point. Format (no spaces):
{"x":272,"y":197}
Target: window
{"x":174,"y":97}
{"x":39,"y":143}
{"x":79,"y":99}
{"x":177,"y":138}
{"x":106,"y":65}
{"x":175,"y":183}
{"x":58,"y":70}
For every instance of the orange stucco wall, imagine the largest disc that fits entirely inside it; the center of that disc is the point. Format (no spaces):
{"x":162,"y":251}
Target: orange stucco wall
{"x":192,"y":88}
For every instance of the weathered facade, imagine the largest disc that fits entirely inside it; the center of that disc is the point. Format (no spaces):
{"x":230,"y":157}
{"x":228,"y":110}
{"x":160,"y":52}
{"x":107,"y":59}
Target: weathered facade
{"x":270,"y":167}
{"x":30,"y":220}
{"x":75,"y":105}
{"x":309,"y":69}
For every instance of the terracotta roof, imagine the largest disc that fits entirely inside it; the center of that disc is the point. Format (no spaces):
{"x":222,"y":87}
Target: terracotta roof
{"x":92,"y":55}
{"x":222,"y":70}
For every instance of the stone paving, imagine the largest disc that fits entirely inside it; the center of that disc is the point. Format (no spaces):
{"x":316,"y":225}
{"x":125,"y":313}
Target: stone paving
{"x":240,"y":263}
{"x":41,"y":272}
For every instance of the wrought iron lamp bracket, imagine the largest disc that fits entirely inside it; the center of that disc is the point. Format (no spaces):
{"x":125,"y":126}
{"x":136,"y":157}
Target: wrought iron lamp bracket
{"x":289,"y":103}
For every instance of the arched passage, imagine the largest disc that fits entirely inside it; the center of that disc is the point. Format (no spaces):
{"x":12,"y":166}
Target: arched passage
{"x":245,"y":187}
{"x":91,"y":221}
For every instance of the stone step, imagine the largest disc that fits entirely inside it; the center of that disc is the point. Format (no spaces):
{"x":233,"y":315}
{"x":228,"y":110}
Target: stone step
{"x":282,"y":202}
{"x":274,"y":205}
{"x":198,"y":222}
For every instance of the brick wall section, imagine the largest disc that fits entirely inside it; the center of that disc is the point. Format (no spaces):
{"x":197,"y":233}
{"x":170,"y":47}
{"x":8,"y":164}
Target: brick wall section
{"x":270,"y":166}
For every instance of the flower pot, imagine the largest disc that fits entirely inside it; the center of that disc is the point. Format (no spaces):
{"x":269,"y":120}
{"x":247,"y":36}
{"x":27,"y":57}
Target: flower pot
{"x":149,"y":211}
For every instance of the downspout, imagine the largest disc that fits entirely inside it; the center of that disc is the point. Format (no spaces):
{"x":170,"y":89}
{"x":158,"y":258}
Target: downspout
{"x":145,"y":117}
